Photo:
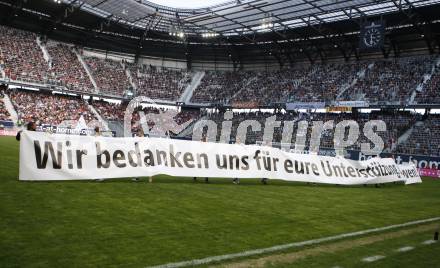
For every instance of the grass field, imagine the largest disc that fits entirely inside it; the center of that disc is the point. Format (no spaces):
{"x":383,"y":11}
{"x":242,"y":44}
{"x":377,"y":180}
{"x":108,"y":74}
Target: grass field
{"x":120,"y":223}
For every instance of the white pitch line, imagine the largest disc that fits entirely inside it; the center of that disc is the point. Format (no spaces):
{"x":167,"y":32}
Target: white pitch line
{"x":405,"y":249}
{"x":373,"y":258}
{"x":429,"y":242}
{"x":253,"y":252}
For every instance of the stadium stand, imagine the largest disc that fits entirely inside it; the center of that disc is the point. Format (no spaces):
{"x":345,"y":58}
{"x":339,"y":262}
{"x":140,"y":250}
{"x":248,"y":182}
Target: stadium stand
{"x":185,"y":116}
{"x":390,"y":80}
{"x":376,"y":81}
{"x":384,"y":80}
{"x":425,"y":138}
{"x":49,"y":109}
{"x":219,"y":87}
{"x":115,"y":112}
{"x":159,"y":83}
{"x":110,"y":111}
{"x":22,"y":58}
{"x":4,"y":114}
{"x":430,"y":91}
{"x":66,"y":68}
{"x":269,"y":87}
{"x":115,"y":117}
{"x":324,"y":82}
{"x":397,"y":124}
{"x":394,"y":79}
{"x":109,"y":75}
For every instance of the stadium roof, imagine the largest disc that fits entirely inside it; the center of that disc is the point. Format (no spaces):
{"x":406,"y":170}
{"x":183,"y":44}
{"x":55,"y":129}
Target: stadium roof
{"x":294,"y":30}
{"x":187,"y":4}
{"x":239,"y":17}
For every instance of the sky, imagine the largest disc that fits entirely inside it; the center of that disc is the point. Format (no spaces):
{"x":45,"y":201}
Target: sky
{"x":188,"y":3}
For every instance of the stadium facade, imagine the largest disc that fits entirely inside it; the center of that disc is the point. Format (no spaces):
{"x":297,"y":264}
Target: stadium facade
{"x":285,"y":56}
{"x":74,"y":66}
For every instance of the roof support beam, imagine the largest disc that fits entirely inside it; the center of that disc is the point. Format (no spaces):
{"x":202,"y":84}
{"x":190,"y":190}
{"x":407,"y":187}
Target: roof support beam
{"x":67,"y":12}
{"x":324,"y":34}
{"x":416,"y":20}
{"x":16,"y":7}
{"x":144,"y":35}
{"x":100,"y":3}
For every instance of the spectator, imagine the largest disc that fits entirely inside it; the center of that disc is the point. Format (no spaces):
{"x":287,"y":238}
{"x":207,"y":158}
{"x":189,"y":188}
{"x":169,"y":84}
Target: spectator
{"x":66,"y":68}
{"x":49,"y":109}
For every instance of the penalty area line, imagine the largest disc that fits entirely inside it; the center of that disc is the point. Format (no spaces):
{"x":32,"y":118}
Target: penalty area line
{"x":260,"y":251}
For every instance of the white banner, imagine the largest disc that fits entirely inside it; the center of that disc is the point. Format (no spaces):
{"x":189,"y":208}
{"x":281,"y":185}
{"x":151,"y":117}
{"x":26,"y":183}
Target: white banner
{"x":64,"y":157}
{"x":304,"y":105}
{"x":353,"y":104}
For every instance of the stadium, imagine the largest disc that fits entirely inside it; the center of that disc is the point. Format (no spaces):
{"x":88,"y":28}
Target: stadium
{"x":220,"y":133}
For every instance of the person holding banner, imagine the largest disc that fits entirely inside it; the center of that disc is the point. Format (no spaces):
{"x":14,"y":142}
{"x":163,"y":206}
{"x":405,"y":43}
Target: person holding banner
{"x":98,"y":134}
{"x":204,"y":139}
{"x":236,"y":180}
{"x":31,"y":126}
{"x":264,"y":180}
{"x":110,"y":158}
{"x":141,"y":134}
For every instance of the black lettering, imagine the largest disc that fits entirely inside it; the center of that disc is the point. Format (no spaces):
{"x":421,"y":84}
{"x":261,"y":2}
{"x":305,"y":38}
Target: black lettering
{"x":351,"y":171}
{"x":48,"y":149}
{"x":149,"y":158}
{"x":275,"y":161}
{"x":315,"y":169}
{"x":161,"y":157}
{"x":79,"y":154}
{"x":222,"y":165}
{"x":136,"y":153}
{"x":299,"y":170}
{"x":288,"y":166}
{"x":205,"y":160}
{"x":326,"y":168}
{"x":174,"y":157}
{"x":244,"y":161}
{"x":99,"y":155}
{"x":234,"y":162}
{"x":118,"y":157}
{"x":188,"y":160}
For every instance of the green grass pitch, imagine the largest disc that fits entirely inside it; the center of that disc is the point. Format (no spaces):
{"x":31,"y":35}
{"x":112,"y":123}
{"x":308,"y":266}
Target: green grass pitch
{"x":120,"y":223}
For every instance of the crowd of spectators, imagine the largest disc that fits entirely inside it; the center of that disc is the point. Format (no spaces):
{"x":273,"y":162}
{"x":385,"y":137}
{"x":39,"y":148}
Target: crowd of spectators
{"x":109,"y":75}
{"x":184,"y":116}
{"x":248,"y":86}
{"x":394,"y":79}
{"x":430,"y":91}
{"x":49,"y":109}
{"x":67,"y":69}
{"x":180,"y":118}
{"x":4,"y":114}
{"x":159,"y":83}
{"x":381,"y":80}
{"x":219,"y":87}
{"x":397,"y":123}
{"x":21,"y":57}
{"x":320,"y":82}
{"x":424,"y":139}
{"x":110,"y":111}
{"x":325,"y":81}
{"x":116,"y":112}
{"x":271,"y":87}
